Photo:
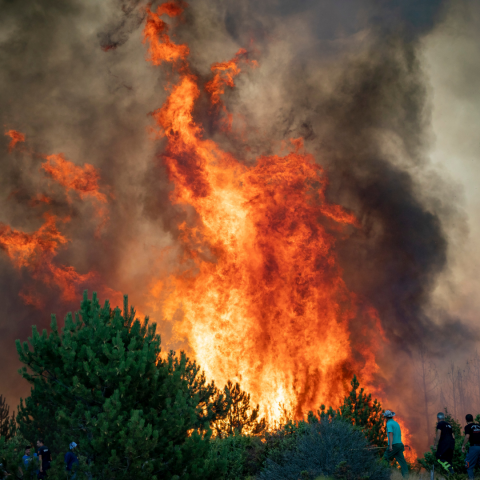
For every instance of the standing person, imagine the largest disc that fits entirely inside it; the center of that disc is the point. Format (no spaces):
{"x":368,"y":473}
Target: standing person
{"x":71,"y":459}
{"x":27,"y":459}
{"x":44,"y":457}
{"x":472,"y":435}
{"x":444,"y":443}
{"x":395,"y":446}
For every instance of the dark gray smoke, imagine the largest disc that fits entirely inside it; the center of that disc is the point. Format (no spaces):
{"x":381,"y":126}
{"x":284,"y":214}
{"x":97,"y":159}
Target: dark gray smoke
{"x":347,"y":76}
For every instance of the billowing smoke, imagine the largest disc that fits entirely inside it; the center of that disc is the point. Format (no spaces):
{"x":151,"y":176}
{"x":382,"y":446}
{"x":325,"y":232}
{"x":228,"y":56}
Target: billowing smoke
{"x":349,"y":77}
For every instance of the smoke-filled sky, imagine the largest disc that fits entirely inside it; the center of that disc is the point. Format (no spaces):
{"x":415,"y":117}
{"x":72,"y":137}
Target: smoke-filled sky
{"x":383,"y":92}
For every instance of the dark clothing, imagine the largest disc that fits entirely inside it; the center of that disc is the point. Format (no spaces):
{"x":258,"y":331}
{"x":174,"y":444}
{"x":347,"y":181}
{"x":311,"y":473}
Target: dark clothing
{"x":447,"y":433}
{"x":472,"y":459}
{"x":445,"y":454}
{"x":70,"y":459}
{"x":473,"y":430}
{"x":397,"y":454}
{"x":46,"y":459}
{"x":446,"y":444}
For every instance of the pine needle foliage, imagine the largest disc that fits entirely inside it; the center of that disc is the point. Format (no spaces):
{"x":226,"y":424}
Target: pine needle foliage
{"x":102,"y":382}
{"x":241,"y":417}
{"x":7,"y":421}
{"x":361,"y":411}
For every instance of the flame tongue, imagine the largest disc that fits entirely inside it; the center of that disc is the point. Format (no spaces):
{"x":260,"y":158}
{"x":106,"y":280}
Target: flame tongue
{"x":271,"y":309}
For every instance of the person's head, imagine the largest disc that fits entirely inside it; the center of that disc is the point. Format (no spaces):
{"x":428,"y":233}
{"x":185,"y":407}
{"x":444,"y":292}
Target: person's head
{"x":469,"y":418}
{"x":73,"y":446}
{"x":27,"y":450}
{"x":388,"y":414}
{"x":40,"y":442}
{"x":440,"y":416}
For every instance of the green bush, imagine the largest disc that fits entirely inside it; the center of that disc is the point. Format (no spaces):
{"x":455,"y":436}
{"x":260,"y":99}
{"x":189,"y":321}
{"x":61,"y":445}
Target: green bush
{"x":330,"y":447}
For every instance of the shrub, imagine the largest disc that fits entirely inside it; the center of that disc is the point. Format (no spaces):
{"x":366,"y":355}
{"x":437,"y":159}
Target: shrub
{"x":331,"y":447}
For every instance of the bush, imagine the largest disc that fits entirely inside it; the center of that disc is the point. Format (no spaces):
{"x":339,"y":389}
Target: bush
{"x":238,"y":453}
{"x":331,"y":447}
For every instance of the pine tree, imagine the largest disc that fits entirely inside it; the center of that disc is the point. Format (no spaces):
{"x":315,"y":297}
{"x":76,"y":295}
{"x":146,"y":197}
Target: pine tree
{"x":359,"y":410}
{"x":7,"y":421}
{"x":241,"y":417}
{"x":102,"y":382}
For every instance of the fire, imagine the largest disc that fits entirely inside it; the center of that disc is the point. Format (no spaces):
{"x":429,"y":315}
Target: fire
{"x":35,"y":251}
{"x":224,"y":74}
{"x":16,"y":137}
{"x":410,"y":453}
{"x":261,"y":292}
{"x":82,"y":180}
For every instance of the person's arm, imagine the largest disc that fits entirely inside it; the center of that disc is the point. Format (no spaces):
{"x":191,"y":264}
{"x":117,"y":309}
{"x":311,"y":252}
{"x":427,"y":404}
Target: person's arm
{"x":467,"y":438}
{"x":390,"y":440}
{"x":437,"y":438}
{"x":40,"y":460}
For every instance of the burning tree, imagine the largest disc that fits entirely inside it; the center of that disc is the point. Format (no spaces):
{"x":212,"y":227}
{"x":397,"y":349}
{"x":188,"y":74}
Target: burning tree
{"x":101,"y":381}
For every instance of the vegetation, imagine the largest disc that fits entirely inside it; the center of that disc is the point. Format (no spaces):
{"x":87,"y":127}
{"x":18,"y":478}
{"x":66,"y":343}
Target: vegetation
{"x":136,"y":412}
{"x":359,"y":410}
{"x":7,"y":421}
{"x":103,"y":383}
{"x":330,"y":447}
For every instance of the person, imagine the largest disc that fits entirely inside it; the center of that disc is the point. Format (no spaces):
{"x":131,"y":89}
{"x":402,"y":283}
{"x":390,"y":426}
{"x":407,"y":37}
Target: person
{"x":70,"y":459}
{"x":444,"y":443}
{"x":44,"y":457}
{"x":395,"y":447}
{"x":472,"y":435}
{"x":27,"y":459}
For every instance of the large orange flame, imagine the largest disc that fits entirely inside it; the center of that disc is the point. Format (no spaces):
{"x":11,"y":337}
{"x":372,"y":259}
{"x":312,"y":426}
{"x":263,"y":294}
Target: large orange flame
{"x":261,"y":293}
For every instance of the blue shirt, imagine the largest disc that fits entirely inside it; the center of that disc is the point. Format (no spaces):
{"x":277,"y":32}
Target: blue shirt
{"x":27,"y":459}
{"x":70,"y":459}
{"x":394,"y":427}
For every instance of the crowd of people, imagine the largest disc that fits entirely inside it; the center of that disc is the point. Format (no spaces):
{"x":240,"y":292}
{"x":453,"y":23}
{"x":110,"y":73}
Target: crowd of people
{"x":444,"y":444}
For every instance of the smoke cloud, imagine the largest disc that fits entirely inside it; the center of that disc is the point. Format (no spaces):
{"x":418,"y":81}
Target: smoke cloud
{"x":358,"y":80}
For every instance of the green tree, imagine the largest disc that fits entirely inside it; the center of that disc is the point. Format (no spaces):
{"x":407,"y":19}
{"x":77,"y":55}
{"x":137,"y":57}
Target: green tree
{"x":360,"y":410}
{"x":241,"y":417}
{"x":7,"y":421}
{"x":102,"y":382}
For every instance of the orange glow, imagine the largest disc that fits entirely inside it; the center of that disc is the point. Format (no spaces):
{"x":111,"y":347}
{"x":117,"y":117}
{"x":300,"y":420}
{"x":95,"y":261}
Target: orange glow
{"x":39,"y":199}
{"x":16,"y":137}
{"x":261,"y":293}
{"x":82,"y":180}
{"x":224,"y":74}
{"x":35,"y":251}
{"x":161,"y":48}
{"x":410,"y":453}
